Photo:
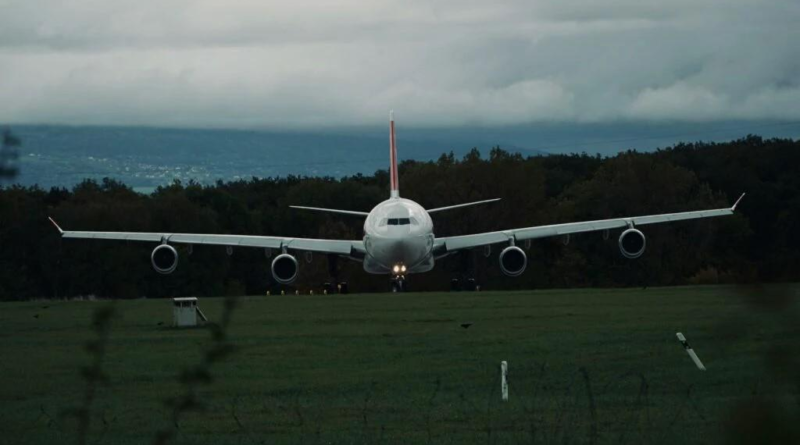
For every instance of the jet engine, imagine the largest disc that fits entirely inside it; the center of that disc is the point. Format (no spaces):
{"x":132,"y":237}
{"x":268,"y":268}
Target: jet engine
{"x":285,"y":268}
{"x":513,"y":261}
{"x":632,"y":243}
{"x":164,"y":259}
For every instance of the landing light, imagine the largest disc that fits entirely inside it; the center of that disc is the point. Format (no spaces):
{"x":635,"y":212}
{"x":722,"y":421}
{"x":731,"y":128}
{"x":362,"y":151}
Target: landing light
{"x":396,"y":268}
{"x":403,"y":268}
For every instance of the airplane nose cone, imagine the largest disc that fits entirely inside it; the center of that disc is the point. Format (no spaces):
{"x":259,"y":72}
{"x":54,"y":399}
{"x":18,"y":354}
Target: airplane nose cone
{"x":402,"y":250}
{"x":391,"y":251}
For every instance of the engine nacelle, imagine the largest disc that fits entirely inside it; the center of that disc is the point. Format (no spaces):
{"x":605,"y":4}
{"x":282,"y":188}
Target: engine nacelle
{"x":285,"y":268}
{"x":632,"y":243}
{"x":164,"y":259}
{"x":513,"y":261}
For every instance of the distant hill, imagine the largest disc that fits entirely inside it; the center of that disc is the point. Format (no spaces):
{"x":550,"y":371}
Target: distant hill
{"x":147,"y":157}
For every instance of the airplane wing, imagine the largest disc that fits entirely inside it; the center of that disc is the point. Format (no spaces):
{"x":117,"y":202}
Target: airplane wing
{"x":458,"y":206}
{"x":452,"y":243}
{"x":343,"y":212}
{"x":341,"y":247}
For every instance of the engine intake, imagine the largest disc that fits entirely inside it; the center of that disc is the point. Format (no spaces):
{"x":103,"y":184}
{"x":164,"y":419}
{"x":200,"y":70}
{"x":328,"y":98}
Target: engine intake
{"x":164,"y":259}
{"x":513,"y":261}
{"x":285,"y":268}
{"x":632,"y":243}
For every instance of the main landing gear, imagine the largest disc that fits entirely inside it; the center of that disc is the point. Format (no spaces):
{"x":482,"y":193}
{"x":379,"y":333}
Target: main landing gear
{"x":468,"y":285}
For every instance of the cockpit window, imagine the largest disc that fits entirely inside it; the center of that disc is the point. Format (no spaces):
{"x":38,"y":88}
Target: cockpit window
{"x":399,"y":221}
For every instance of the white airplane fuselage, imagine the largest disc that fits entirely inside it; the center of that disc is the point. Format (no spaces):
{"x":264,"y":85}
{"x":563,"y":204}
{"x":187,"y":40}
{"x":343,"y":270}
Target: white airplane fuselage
{"x":398,"y":238}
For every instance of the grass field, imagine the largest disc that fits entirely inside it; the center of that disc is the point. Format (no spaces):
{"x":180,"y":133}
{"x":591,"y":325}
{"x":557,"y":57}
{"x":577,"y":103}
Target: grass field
{"x":585,"y":366}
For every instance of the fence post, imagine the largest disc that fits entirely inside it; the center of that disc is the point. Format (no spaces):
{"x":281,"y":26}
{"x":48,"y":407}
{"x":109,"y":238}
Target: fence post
{"x":690,"y":351}
{"x":504,"y":379}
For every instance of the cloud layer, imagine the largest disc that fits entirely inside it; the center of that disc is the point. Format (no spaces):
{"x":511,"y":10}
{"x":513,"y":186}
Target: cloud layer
{"x":438,"y":63}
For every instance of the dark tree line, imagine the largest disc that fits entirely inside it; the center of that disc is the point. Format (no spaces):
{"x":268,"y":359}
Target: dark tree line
{"x":760,"y":243}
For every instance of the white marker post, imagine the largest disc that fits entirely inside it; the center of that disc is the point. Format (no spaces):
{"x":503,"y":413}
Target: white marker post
{"x":690,"y":351}
{"x":504,"y":379}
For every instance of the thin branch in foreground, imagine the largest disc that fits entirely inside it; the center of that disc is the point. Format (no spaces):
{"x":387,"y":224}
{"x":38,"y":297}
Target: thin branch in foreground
{"x":93,"y":374}
{"x":194,"y":377}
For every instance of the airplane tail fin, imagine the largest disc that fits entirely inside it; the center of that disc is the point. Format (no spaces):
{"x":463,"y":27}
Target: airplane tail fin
{"x":393,"y":179}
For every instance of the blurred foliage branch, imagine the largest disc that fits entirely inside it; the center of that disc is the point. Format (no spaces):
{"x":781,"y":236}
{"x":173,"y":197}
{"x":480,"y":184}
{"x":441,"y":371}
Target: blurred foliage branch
{"x":193,"y":378}
{"x":93,"y":375}
{"x":9,"y":154}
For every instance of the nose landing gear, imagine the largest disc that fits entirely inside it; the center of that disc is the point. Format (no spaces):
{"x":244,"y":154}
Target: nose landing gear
{"x":398,"y":281}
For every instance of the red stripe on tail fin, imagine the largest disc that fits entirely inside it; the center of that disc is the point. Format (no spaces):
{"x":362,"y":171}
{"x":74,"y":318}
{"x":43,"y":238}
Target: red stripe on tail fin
{"x":393,"y":178}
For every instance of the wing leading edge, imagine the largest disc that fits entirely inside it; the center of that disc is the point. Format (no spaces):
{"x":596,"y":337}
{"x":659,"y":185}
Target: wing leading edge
{"x":341,"y":247}
{"x":458,"y":206}
{"x":482,"y":239}
{"x":343,"y":212}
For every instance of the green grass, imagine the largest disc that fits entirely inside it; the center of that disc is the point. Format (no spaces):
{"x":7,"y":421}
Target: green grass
{"x":586,"y":366}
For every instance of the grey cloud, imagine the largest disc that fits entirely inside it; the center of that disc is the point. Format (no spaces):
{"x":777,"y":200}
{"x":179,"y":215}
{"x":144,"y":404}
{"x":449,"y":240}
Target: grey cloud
{"x":438,"y":63}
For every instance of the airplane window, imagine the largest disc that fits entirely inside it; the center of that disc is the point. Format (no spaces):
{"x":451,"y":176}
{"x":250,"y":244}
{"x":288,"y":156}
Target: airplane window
{"x":383,"y":222}
{"x":414,"y":221}
{"x":392,"y":221}
{"x":403,"y":221}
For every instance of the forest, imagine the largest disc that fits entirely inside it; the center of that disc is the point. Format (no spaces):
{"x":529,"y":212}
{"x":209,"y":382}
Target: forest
{"x":760,"y":243}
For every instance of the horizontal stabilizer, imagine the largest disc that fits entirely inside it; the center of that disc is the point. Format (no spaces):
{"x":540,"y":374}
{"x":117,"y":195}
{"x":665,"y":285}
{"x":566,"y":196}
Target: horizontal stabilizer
{"x":458,"y":206}
{"x":343,"y":212}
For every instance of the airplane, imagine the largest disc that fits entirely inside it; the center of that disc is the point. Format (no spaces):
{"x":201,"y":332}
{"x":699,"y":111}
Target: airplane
{"x":398,"y":237}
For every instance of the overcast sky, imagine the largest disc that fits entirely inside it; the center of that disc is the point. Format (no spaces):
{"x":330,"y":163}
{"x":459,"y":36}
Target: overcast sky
{"x":298,"y":64}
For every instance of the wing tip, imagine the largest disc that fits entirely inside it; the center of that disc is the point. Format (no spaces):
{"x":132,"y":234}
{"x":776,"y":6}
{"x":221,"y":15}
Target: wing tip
{"x":737,"y":202}
{"x":56,"y":225}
